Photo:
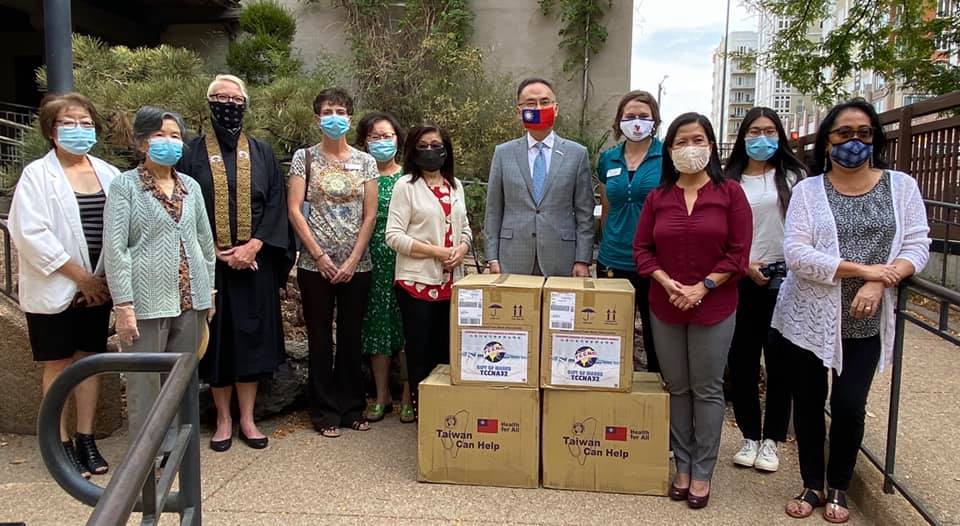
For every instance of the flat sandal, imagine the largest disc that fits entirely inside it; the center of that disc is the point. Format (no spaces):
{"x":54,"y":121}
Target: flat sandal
{"x":837,"y":499}
{"x":809,"y":496}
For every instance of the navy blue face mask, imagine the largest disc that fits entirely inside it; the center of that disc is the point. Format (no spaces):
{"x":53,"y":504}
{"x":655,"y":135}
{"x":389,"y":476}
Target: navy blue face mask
{"x":851,"y":154}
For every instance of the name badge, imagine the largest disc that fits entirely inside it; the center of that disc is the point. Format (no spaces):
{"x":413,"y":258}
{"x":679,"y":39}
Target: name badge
{"x":613,"y":172}
{"x":352,"y":166}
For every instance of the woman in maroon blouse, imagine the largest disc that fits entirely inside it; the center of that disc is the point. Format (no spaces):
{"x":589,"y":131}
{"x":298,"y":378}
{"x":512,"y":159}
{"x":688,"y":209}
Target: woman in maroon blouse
{"x":693,"y":239}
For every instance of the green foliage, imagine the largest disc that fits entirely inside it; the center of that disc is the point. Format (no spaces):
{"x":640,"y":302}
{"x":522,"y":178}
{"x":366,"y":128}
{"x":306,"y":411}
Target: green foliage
{"x":264,"y":52}
{"x":582,"y":33}
{"x":901,"y":40}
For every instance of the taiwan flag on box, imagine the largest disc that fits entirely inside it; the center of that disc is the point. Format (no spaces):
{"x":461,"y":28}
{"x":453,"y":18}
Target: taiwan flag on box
{"x":615,"y":433}
{"x":488,"y":425}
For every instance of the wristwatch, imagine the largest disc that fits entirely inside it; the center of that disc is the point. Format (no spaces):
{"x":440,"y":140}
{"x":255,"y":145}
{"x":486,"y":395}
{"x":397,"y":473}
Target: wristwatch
{"x":709,"y":283}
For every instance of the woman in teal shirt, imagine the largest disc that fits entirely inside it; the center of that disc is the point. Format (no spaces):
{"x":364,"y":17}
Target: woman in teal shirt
{"x":627,"y":173}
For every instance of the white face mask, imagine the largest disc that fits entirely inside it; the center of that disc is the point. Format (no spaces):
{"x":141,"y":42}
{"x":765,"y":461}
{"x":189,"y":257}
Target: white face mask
{"x":636,"y":130}
{"x":691,"y":159}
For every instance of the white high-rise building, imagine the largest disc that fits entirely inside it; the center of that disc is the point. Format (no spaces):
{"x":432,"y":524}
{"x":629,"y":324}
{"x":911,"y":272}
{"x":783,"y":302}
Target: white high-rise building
{"x":794,"y":108}
{"x":728,"y":109}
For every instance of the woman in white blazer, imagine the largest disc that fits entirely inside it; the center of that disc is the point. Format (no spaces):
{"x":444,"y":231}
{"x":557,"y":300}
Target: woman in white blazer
{"x":428,"y":228}
{"x":850,"y":236}
{"x":56,"y":222}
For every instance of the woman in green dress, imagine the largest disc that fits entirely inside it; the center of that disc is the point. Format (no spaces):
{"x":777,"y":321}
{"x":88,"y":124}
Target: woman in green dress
{"x":380,"y":134}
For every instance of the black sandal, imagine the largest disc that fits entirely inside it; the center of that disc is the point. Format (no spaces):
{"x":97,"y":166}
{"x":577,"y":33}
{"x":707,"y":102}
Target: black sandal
{"x":809,"y":496}
{"x":90,"y":456}
{"x":72,"y":457}
{"x":838,"y":499}
{"x":329,"y":431}
{"x":358,"y":425}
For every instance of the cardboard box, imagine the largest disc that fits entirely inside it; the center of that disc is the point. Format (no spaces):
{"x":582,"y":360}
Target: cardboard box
{"x":478,"y":434}
{"x":495,"y":330}
{"x":603,"y":441}
{"x":587,"y":334}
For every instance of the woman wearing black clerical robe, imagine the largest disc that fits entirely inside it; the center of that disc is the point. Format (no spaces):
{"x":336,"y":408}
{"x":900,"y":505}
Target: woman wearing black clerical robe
{"x":245,"y":195}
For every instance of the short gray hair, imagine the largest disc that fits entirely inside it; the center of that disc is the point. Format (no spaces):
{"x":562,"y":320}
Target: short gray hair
{"x":149,"y":120}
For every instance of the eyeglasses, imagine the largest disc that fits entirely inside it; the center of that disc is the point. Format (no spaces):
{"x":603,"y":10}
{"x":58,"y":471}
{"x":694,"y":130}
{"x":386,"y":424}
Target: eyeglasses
{"x":380,"y":137}
{"x":223,"y":97}
{"x":846,"y":133}
{"x":430,"y":146}
{"x":767,"y":132}
{"x":534,"y":104}
{"x":71,"y":125}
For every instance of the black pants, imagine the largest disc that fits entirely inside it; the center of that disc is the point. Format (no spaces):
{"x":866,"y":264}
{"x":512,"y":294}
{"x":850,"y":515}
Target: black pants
{"x":335,"y":383}
{"x":848,"y":402}
{"x":426,"y":333}
{"x":642,"y":303}
{"x":751,"y":338}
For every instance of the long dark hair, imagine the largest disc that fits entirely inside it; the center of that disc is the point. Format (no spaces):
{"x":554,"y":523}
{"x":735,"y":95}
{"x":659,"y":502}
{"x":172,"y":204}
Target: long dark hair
{"x":410,"y":148}
{"x":668,"y":173}
{"x":821,"y":160}
{"x":783,"y":160}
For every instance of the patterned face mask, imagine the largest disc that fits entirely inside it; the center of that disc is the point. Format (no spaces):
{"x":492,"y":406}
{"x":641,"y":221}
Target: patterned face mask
{"x":851,"y":154}
{"x":228,"y":114}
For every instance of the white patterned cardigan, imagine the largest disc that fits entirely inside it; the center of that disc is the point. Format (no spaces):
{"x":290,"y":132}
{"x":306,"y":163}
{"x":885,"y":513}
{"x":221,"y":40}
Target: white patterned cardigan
{"x":808,"y":311}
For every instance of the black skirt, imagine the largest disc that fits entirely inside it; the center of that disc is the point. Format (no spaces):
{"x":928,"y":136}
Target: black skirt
{"x":246,"y":334}
{"x":77,"y":329}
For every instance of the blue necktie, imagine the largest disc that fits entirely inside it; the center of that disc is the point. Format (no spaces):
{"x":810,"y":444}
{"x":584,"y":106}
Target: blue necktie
{"x":539,"y":172}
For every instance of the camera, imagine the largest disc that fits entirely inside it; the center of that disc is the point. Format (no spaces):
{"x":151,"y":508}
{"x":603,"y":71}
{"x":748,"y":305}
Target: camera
{"x":775,"y":272}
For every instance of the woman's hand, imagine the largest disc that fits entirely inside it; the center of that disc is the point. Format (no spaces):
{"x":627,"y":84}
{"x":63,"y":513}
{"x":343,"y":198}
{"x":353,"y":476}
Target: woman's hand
{"x":673,"y":288}
{"x":326,"y":267}
{"x":94,"y":290}
{"x":690,"y":296}
{"x":754,"y":272}
{"x":455,"y":257}
{"x":886,"y":274}
{"x":345,"y":273}
{"x":866,"y":303}
{"x":127,"y":329}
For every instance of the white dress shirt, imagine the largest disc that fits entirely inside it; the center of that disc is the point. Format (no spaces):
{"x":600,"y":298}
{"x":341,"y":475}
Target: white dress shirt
{"x":547,"y":150}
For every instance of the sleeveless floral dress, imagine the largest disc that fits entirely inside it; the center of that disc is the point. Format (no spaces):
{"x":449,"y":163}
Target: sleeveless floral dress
{"x":382,"y":326}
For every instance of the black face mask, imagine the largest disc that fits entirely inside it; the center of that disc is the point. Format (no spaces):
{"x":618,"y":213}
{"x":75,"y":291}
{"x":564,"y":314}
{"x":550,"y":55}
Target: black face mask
{"x":228,"y":114}
{"x":430,"y":160}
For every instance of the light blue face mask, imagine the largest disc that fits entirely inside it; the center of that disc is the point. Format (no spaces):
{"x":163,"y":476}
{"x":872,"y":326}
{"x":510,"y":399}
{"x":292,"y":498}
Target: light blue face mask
{"x":762,"y":148}
{"x":334,"y":126}
{"x":164,"y":151}
{"x":383,"y":150}
{"x":77,"y":141}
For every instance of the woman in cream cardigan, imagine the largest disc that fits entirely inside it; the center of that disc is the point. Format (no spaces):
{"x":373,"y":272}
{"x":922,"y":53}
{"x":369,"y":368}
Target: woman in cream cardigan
{"x":850,"y":236}
{"x":428,"y":228}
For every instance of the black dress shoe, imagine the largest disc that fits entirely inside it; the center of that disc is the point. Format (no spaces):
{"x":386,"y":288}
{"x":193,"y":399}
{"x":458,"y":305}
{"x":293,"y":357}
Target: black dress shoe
{"x":255,"y":443}
{"x":221,"y":445}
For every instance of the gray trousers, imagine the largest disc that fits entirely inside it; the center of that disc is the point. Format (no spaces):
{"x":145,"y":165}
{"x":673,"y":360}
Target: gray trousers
{"x":692,"y":359}
{"x":180,"y":334}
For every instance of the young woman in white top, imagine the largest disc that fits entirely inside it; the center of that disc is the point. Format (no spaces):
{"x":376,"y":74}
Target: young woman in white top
{"x":767,"y":170}
{"x":56,"y":222}
{"x":851,"y":235}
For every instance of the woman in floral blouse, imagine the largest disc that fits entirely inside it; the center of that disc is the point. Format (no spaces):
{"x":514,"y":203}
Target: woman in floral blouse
{"x":380,"y":134}
{"x":428,"y":228}
{"x":339,"y":183}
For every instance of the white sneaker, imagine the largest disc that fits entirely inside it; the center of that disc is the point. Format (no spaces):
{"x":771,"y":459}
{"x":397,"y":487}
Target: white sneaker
{"x":747,"y":454}
{"x":767,"y":459}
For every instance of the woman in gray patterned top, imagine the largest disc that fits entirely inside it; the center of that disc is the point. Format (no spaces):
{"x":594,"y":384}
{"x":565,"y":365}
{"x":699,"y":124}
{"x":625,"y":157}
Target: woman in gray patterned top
{"x":339,"y":183}
{"x":851,"y":235}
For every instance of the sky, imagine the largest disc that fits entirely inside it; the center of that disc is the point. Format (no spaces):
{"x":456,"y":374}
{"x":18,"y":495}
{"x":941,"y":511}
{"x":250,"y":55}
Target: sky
{"x":677,"y":38}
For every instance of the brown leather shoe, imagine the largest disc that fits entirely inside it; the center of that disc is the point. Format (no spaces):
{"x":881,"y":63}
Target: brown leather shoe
{"x":696,"y":502}
{"x":678,"y":493}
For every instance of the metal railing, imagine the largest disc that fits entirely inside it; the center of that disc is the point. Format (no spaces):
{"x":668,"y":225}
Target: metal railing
{"x":946,"y":297}
{"x":8,"y":289}
{"x":135,"y":485}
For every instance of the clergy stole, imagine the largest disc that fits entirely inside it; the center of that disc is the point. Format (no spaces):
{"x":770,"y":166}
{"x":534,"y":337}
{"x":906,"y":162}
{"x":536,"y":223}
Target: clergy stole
{"x":221,"y":192}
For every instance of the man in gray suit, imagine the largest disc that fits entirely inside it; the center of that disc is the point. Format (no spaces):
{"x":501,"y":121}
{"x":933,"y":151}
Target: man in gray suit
{"x":539,"y":216}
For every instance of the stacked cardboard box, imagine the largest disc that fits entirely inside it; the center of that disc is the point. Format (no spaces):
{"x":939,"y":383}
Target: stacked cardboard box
{"x":603,"y":428}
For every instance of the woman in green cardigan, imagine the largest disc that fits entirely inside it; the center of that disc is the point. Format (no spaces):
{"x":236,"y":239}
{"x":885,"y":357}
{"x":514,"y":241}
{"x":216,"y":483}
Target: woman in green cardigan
{"x":159,"y":254}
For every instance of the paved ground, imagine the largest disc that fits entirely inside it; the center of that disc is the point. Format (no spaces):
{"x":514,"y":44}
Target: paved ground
{"x":369,"y":478}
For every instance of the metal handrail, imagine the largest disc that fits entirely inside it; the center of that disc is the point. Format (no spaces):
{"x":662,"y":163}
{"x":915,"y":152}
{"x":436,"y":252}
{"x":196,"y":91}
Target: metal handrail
{"x":135,"y":473}
{"x":887,"y":466}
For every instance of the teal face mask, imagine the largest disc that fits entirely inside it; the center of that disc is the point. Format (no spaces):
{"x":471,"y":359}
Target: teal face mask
{"x":762,"y":148}
{"x":164,"y":151}
{"x":334,"y":126}
{"x":78,"y":140}
{"x":383,"y":150}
